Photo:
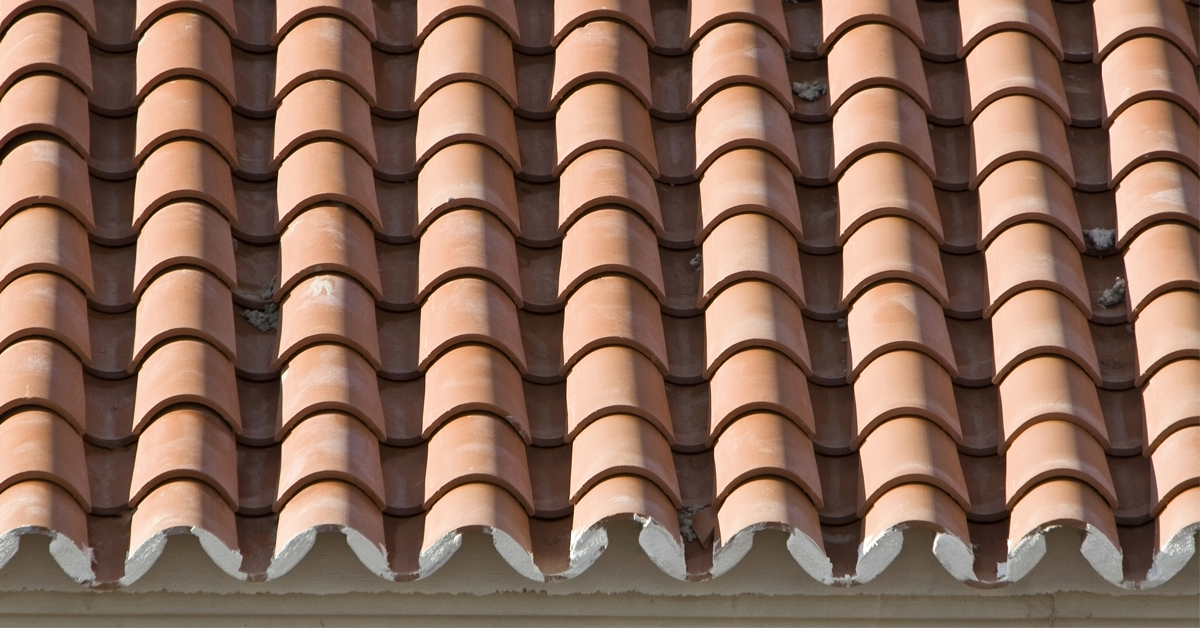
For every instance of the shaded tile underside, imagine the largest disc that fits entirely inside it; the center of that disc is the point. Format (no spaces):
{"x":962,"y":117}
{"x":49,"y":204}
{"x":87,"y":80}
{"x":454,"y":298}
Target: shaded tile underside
{"x":408,"y":267}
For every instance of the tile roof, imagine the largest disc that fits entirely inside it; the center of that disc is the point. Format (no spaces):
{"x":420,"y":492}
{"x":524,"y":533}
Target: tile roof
{"x":404,"y":268}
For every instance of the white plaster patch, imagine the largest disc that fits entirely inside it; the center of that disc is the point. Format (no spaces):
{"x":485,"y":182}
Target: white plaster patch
{"x":1173,"y":556}
{"x":876,"y":554}
{"x":143,"y":557}
{"x":955,"y":556}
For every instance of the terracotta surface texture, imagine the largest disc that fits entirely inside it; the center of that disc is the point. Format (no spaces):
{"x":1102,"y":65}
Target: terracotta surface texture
{"x":406,"y":268}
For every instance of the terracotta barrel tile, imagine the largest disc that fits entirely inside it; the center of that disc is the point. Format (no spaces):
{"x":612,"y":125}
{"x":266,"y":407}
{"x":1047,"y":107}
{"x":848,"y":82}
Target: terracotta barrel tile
{"x":759,"y":380}
{"x":1056,"y":449}
{"x":753,"y":313}
{"x":738,"y":52}
{"x":474,"y":505}
{"x":570,"y":14}
{"x":1158,"y":190}
{"x":607,"y":241}
{"x":607,"y":176}
{"x":919,"y":506}
{"x":469,"y":310}
{"x":1174,"y":463}
{"x":910,"y":449}
{"x":621,"y":444}
{"x":768,"y":502}
{"x":182,"y":506}
{"x":323,"y":109}
{"x":430,"y":13}
{"x":328,"y":308}
{"x":602,"y":50}
{"x":743,"y":116}
{"x":1168,"y":328}
{"x":329,"y":377}
{"x":750,"y":246}
{"x":325,"y":47}
{"x":612,"y":309}
{"x":1150,"y":130}
{"x":184,"y":302}
{"x":1060,"y":501}
{"x":467,"y":174}
{"x":45,"y":41}
{"x":220,"y":10}
{"x":1171,"y":400}
{"x":357,"y":12}
{"x":184,"y":233}
{"x":473,"y":378}
{"x":604,"y":115}
{"x":1118,"y":21}
{"x":403,"y":478}
{"x":1019,"y":127}
{"x":839,"y":17}
{"x":42,"y":446}
{"x":466,"y":48}
{"x":875,"y":55}
{"x":477,"y":448}
{"x":1025,"y":190}
{"x":904,"y":383}
{"x":185,"y":43}
{"x":983,"y":19}
{"x":886,"y":183}
{"x":468,"y":242}
{"x":704,"y":15}
{"x":1178,"y":518}
{"x":467,"y":111}
{"x":186,"y":371}
{"x":761,"y":444}
{"x":1014,"y":62}
{"x":328,"y":238}
{"x":1039,"y":321}
{"x":185,"y":107}
{"x":891,"y":248}
{"x":1163,"y":257}
{"x":38,"y":505}
{"x":881,"y":118}
{"x":616,"y":379}
{"x":329,"y":446}
{"x":43,"y":373}
{"x":326,"y":172}
{"x":182,"y":169}
{"x":1047,"y":259}
{"x":620,"y":497}
{"x":43,"y":172}
{"x":1148,"y":67}
{"x":46,"y":103}
{"x":45,"y":239}
{"x":1046,"y":388}
{"x":329,"y":504}
{"x":748,"y":180}
{"x":897,"y":315}
{"x":80,"y":10}
{"x":186,"y":443}
{"x":45,"y":304}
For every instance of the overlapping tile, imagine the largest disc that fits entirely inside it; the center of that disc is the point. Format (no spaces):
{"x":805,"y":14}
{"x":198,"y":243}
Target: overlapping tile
{"x":402,"y":270}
